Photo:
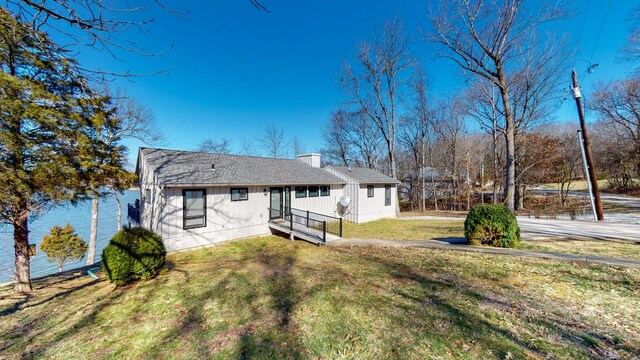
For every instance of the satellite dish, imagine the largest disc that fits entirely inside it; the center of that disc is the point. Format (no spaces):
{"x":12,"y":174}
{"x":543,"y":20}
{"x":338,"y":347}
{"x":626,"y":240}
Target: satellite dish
{"x":345,"y":201}
{"x":343,"y":205}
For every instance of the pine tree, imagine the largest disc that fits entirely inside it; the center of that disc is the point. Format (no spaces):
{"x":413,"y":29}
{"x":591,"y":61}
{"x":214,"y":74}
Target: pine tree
{"x":62,"y":244}
{"x":48,"y":143}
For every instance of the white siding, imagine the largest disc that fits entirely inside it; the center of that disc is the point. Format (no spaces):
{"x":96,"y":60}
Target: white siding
{"x":363,"y":208}
{"x":322,"y":204}
{"x":148,"y":207}
{"x":373,"y":208}
{"x":225,"y":219}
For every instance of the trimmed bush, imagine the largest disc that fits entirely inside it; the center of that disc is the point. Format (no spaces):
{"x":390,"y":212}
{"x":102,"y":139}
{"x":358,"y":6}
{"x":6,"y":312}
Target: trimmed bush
{"x":133,"y":254}
{"x":492,"y":225}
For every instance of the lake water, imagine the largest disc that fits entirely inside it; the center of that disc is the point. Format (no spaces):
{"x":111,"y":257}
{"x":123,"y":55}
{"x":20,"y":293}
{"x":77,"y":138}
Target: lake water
{"x":79,"y":217}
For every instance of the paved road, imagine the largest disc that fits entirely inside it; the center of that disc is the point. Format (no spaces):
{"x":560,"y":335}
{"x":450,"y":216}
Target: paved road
{"x":626,"y":201}
{"x":436,"y":244}
{"x":533,"y":229}
{"x":537,"y":229}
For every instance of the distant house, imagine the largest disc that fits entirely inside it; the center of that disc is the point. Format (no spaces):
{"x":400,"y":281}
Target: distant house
{"x":195,"y":199}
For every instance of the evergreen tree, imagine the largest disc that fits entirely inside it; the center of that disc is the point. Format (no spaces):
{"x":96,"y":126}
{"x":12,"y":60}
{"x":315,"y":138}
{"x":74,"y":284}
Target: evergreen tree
{"x":62,"y":244}
{"x":48,"y":138}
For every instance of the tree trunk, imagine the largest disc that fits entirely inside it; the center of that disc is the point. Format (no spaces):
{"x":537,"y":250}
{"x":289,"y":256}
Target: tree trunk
{"x":494,"y":199}
{"x":118,"y":212}
{"x":510,"y":173}
{"x":521,"y":196}
{"x":22,"y":275}
{"x":91,"y":251}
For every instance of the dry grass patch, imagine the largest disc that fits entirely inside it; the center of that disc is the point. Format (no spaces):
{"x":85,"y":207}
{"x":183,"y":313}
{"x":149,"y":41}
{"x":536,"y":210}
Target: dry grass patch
{"x":619,"y":249}
{"x":273,"y":298}
{"x":394,"y":229}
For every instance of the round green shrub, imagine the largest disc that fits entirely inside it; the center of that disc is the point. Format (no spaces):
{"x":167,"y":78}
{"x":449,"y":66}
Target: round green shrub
{"x":132,"y":254}
{"x":492,"y":225}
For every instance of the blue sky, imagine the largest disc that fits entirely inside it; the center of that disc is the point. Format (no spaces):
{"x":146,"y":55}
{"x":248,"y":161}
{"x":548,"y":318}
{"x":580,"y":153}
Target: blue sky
{"x":232,"y":68}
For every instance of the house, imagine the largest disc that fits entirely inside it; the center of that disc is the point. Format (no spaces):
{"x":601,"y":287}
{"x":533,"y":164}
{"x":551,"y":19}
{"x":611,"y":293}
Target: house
{"x":195,"y":199}
{"x":367,"y":189}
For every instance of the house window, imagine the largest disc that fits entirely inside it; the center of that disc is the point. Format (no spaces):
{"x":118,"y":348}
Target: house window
{"x":369,"y":190}
{"x":147,"y":196}
{"x":194,"y":208}
{"x":387,"y":195}
{"x":301,"y":191}
{"x":239,"y":194}
{"x":313,"y":191}
{"x":324,"y":191}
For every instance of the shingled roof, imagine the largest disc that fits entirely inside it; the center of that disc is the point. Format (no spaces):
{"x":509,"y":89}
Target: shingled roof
{"x":175,"y":168}
{"x":364,"y":175}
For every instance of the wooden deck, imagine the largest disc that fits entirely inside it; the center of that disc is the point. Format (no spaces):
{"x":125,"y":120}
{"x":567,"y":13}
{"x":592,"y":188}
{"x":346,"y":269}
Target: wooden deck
{"x":301,"y":232}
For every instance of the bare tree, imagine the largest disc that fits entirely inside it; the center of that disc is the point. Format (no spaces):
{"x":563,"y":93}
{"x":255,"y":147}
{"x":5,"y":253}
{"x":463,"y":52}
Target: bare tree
{"x":136,"y":122}
{"x":631,"y":48}
{"x":338,"y":147}
{"x":417,"y":135}
{"x":248,"y":147}
{"x":375,"y":91}
{"x":483,"y":38}
{"x":98,"y":24}
{"x":296,"y":146}
{"x":273,"y":141}
{"x":213,"y":146}
{"x":617,"y":105}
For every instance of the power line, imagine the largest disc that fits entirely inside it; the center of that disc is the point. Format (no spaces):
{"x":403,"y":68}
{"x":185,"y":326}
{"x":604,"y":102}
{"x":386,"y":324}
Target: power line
{"x":606,"y":15}
{"x":584,"y":23}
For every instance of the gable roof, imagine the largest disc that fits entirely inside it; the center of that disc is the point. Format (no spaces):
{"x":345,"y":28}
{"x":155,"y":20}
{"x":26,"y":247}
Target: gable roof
{"x":364,"y":175}
{"x":184,"y":168}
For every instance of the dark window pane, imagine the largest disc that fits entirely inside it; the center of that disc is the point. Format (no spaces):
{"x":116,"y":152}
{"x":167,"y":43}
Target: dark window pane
{"x":238,"y":194}
{"x":301,"y":191}
{"x":370,"y":191}
{"x":313,"y":191}
{"x":387,"y":195}
{"x":324,"y":191}
{"x":194,"y":214}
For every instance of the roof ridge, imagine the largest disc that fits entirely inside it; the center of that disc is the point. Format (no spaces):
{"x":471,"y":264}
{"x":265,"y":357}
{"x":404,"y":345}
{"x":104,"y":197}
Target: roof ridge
{"x":223,"y":154}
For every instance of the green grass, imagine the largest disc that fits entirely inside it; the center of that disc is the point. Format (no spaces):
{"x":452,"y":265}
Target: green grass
{"x":273,"y":298}
{"x":394,"y":229}
{"x":620,"y":249}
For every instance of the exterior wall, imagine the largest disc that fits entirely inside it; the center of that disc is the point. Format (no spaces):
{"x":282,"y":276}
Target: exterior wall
{"x":373,"y":208}
{"x":322,"y":204}
{"x":351,"y":190}
{"x":225,"y":219}
{"x":148,"y":205}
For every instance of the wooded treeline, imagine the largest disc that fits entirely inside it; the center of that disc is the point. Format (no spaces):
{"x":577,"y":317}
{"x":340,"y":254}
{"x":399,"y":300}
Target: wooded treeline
{"x":497,"y":135}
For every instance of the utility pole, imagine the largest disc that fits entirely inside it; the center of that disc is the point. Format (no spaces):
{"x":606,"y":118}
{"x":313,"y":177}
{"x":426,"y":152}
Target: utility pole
{"x":591,"y":174}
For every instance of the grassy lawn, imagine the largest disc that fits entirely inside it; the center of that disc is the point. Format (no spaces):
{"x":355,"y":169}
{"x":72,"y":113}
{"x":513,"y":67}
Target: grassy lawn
{"x":619,"y":249}
{"x":580,"y":185}
{"x":393,"y":229}
{"x":273,"y":298}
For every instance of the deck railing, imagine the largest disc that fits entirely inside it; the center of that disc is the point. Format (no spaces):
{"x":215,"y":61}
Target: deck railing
{"x":311,"y":220}
{"x":133,"y":213}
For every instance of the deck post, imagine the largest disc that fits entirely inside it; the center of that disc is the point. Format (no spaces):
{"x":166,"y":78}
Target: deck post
{"x":324,"y":231}
{"x":307,"y":218}
{"x":291,"y":222}
{"x":340,"y":227}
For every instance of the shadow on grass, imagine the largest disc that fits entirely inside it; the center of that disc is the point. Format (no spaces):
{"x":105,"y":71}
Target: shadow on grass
{"x":446,"y":298}
{"x":452,"y":240}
